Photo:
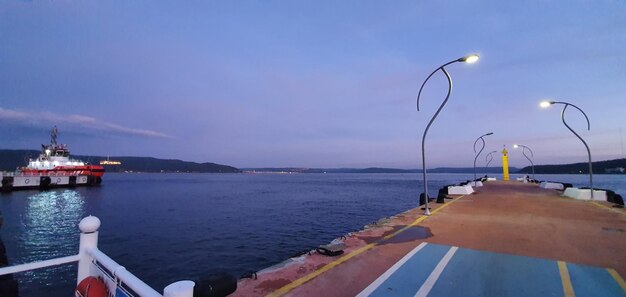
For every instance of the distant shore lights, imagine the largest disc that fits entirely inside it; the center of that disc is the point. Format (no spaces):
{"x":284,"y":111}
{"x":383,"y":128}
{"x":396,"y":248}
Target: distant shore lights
{"x":110,"y":162}
{"x":548,"y":103}
{"x":467,"y":59}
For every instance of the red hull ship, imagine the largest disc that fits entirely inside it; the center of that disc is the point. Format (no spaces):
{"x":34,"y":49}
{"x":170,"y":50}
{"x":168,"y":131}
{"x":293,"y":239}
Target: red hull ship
{"x":53,"y":168}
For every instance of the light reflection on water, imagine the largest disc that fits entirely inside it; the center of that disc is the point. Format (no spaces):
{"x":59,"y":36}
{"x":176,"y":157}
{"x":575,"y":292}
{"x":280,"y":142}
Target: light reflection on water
{"x":49,"y":225}
{"x":54,"y":212}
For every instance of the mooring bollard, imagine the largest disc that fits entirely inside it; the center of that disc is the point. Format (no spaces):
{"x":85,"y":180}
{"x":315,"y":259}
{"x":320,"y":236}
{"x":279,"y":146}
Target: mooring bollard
{"x":88,"y":239}
{"x":179,"y":289}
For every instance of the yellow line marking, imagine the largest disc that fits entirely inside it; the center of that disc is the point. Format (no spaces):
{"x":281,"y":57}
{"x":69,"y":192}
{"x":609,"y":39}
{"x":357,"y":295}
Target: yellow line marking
{"x":296,"y":283}
{"x":568,"y":290}
{"x":606,"y":207}
{"x":617,"y":278}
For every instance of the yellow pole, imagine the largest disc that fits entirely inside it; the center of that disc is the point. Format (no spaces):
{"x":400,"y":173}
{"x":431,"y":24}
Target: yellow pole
{"x":505,"y":164}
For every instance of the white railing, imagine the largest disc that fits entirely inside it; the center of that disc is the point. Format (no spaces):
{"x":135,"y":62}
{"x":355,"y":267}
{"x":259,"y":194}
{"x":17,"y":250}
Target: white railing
{"x":119,"y":273}
{"x":38,"y":265}
{"x":91,"y":261}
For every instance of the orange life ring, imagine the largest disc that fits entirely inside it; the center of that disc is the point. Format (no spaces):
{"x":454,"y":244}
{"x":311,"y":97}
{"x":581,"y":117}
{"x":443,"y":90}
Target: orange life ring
{"x":91,"y":287}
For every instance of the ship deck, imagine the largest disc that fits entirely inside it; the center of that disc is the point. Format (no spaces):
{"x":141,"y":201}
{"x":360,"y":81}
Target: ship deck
{"x":507,"y":239}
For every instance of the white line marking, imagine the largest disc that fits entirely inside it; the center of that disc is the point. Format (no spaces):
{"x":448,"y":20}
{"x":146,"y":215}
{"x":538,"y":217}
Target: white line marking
{"x":434,"y":276}
{"x":383,"y":277}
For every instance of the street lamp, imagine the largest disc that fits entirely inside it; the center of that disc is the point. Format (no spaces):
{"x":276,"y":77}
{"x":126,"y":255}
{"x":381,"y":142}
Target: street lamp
{"x":488,"y":159}
{"x":481,"y":150}
{"x":524,"y":153}
{"x":547,"y":103}
{"x":467,"y":59}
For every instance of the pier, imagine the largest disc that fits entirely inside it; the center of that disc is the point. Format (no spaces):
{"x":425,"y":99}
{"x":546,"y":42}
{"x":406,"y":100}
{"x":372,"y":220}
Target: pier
{"x":506,"y":239}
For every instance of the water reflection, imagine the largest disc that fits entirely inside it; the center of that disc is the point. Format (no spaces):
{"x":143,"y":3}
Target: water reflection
{"x":50,"y":223}
{"x":49,"y":230}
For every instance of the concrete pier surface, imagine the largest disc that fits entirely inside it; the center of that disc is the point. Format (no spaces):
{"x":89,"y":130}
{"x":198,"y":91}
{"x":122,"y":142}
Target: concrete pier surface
{"x":507,"y":239}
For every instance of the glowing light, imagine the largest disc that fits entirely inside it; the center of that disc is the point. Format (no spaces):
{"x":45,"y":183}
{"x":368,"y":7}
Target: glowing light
{"x":545,"y":104}
{"x":516,"y":146}
{"x":48,"y":152}
{"x":470,"y":59}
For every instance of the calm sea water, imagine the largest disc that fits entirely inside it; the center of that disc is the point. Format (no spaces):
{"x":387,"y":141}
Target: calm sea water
{"x":168,"y":227}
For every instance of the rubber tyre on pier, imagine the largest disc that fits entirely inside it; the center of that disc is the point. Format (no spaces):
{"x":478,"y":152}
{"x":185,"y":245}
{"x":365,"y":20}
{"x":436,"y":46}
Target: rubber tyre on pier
{"x":44,"y":182}
{"x":7,"y":184}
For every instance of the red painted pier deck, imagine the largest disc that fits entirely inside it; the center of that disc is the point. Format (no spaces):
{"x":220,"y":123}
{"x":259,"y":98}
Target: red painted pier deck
{"x":507,"y":239}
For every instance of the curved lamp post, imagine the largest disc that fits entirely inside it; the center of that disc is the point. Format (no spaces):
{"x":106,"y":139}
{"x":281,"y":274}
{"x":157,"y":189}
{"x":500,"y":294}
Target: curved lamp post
{"x":488,"y":159}
{"x":481,"y":150}
{"x":524,"y":153}
{"x":467,"y":59}
{"x":546,"y":104}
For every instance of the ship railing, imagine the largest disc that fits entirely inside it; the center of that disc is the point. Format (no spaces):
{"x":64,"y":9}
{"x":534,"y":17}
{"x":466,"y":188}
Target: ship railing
{"x":58,"y":173}
{"x":95,"y":263}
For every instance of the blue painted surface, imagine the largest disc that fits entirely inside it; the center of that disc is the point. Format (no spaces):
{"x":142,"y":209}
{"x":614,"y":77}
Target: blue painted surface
{"x":478,"y":273}
{"x":120,"y":293}
{"x":407,"y":280}
{"x":593,"y":281}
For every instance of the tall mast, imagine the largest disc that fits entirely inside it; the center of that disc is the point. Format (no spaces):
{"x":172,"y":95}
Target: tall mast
{"x":53,"y":135}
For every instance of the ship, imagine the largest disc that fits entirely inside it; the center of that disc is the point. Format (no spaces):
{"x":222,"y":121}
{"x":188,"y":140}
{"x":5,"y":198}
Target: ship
{"x":53,"y":168}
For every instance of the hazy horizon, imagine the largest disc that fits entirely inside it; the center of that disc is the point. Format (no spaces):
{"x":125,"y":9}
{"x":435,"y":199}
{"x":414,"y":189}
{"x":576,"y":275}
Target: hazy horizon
{"x":334,"y":167}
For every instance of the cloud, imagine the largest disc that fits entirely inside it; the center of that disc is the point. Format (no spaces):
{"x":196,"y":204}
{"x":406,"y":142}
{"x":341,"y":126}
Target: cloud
{"x":86,"y":122}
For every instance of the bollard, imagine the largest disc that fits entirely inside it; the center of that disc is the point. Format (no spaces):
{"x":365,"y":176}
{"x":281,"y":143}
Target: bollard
{"x":179,"y":289}
{"x":88,"y":239}
{"x":422,"y":199}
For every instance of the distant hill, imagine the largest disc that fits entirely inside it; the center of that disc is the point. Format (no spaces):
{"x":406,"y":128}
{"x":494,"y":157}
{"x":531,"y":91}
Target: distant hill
{"x":377,"y":170}
{"x":11,"y":159}
{"x":479,"y":170}
{"x":608,"y":166}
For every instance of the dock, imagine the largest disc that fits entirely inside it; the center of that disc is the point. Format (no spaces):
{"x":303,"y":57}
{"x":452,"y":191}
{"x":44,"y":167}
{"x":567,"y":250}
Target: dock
{"x":506,"y":239}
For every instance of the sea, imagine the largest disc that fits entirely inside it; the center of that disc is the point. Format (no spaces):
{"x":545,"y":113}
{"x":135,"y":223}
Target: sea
{"x":167,"y":227}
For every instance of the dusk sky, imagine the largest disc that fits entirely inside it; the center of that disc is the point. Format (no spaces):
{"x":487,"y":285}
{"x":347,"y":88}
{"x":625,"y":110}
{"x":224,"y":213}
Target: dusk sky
{"x":312,"y":83}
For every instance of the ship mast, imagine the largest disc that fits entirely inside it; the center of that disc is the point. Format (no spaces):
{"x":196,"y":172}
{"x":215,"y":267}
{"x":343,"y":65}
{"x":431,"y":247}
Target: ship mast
{"x":53,"y":136}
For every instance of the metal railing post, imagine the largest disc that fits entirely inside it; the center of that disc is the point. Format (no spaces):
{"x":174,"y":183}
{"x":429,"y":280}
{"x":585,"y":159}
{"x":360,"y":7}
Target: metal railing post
{"x":88,"y":240}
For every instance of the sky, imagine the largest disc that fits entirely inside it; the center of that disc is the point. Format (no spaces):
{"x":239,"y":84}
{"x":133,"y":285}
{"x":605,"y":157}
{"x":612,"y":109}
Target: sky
{"x":313,"y":83}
